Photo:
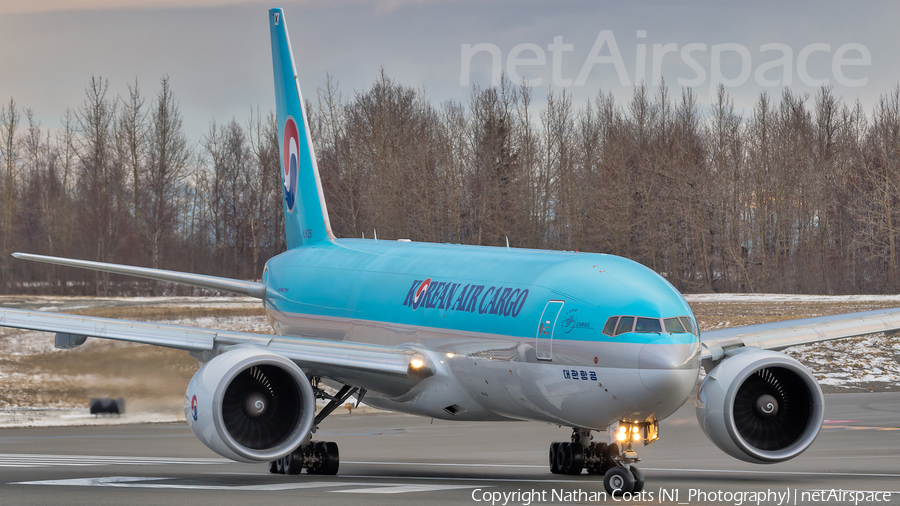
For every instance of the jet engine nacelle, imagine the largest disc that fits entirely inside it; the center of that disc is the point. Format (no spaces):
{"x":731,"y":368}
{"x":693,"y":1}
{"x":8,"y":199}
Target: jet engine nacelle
{"x":761,"y":407}
{"x":250,"y":405}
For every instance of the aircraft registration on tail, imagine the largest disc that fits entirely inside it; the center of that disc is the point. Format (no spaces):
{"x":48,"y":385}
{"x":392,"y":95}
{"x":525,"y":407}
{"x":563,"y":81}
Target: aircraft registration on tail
{"x":594,"y":342}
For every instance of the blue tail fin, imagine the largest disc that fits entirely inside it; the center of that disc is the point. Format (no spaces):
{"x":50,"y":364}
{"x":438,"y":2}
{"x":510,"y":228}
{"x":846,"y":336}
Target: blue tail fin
{"x":305,"y":216}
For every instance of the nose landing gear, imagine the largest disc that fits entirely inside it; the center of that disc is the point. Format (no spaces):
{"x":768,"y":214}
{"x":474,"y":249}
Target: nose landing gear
{"x":620,"y":475}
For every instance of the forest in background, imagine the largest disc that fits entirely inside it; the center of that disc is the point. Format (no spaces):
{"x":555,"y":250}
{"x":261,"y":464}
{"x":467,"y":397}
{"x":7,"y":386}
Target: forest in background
{"x":801,"y":194}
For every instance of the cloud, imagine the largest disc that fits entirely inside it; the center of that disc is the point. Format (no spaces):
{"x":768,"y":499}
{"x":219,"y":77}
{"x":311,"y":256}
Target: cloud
{"x":45,"y":6}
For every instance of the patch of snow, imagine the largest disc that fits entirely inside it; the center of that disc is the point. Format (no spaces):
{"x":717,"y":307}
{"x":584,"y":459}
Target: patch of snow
{"x":781,"y":297}
{"x":56,"y":417}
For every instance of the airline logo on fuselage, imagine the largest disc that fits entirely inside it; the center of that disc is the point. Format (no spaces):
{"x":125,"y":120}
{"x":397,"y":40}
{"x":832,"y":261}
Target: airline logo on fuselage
{"x":471,"y":298}
{"x":290,"y":148}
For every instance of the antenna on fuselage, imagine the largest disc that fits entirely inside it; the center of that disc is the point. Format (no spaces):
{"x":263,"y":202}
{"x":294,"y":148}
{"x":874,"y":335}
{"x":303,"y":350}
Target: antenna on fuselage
{"x":376,"y":234}
{"x":507,"y":242}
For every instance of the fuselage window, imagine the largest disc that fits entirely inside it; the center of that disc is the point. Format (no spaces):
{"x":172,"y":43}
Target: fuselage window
{"x":610,"y":327}
{"x":648,"y":325}
{"x":674,"y":325}
{"x":689,"y":324}
{"x":625,"y":324}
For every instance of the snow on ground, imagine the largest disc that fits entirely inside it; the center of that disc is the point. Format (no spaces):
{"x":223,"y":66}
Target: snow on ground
{"x":773,"y":298}
{"x":59,"y":417}
{"x":65,"y":304}
{"x":868,"y":363}
{"x":14,"y":342}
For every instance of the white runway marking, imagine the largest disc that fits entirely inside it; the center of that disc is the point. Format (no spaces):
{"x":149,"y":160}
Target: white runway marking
{"x":402,"y":489}
{"x":687,"y":470}
{"x":155,"y":483}
{"x":445,"y":464}
{"x":32,"y":460}
{"x":747,"y":471}
{"x":27,"y":460}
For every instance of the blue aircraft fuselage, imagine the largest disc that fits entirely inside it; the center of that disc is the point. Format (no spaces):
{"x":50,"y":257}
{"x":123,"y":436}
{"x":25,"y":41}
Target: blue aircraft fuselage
{"x":527,"y":323}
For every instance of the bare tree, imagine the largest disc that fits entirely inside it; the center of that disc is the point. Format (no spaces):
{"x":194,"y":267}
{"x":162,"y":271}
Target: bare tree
{"x":9,"y":123}
{"x":168,"y":155}
{"x":881,"y":186}
{"x":131,"y":141}
{"x":102,"y":214}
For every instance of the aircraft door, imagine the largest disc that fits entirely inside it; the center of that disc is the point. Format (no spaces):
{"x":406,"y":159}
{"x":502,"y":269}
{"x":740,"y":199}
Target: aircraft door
{"x":544,"y":338}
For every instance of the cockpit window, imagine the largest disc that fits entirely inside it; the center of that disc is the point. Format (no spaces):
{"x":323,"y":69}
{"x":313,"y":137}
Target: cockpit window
{"x":648,"y":325}
{"x":625,"y":324}
{"x":610,"y":327}
{"x":616,"y":325}
{"x":689,"y":324}
{"x":674,"y":325}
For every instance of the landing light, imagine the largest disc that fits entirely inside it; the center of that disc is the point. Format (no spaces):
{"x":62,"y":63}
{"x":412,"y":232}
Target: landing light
{"x":416,"y":363}
{"x":635,"y":431}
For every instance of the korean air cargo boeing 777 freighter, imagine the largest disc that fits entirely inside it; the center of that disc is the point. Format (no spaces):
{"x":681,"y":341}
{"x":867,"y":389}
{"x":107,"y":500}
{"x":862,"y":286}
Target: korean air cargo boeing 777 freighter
{"x":593,"y":342}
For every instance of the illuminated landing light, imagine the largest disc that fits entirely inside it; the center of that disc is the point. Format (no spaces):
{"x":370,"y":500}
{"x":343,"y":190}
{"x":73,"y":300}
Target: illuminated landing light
{"x":637,"y":437}
{"x":449,"y":355}
{"x":621,"y":436}
{"x":420,"y":366}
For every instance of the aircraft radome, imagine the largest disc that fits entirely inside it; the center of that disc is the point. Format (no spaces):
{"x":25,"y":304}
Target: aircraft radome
{"x":589,"y":341}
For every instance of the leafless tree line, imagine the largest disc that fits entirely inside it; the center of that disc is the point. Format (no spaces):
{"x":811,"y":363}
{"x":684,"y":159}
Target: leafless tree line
{"x":800,"y":194}
{"x":121,"y":182}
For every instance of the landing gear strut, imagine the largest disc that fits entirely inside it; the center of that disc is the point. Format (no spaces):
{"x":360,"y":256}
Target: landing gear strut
{"x":620,"y":475}
{"x":317,"y":457}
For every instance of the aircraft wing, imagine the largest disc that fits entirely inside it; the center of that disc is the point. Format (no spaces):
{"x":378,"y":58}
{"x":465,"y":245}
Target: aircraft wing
{"x":384,"y":369}
{"x":238,"y":286}
{"x":784,"y":334}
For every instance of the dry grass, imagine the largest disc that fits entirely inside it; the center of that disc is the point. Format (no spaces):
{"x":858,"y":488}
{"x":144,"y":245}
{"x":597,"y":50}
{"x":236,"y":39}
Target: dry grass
{"x":155,"y":377}
{"x":715,"y":315}
{"x":70,"y":378}
{"x":861,"y":364}
{"x":145,"y":313}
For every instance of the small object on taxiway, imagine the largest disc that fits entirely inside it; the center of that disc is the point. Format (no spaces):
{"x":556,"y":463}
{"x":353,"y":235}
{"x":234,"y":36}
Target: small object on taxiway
{"x":107,"y":406}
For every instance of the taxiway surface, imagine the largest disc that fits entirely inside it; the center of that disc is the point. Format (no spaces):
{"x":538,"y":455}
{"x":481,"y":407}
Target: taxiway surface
{"x":396,"y":459}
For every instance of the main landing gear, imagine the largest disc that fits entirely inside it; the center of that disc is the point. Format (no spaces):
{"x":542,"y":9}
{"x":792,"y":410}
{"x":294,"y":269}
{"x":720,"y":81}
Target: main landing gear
{"x":317,"y":457}
{"x":620,"y":475}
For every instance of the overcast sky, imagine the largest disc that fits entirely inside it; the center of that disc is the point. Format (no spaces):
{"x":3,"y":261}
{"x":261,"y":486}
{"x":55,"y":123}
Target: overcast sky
{"x":217,"y":52}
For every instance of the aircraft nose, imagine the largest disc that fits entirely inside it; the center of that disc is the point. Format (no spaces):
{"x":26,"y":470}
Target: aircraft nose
{"x":669,"y":366}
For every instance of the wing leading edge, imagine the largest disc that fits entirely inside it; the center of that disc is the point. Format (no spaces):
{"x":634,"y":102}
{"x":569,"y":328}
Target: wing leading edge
{"x":251,"y":288}
{"x":383,"y":369}
{"x":777,"y":336}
